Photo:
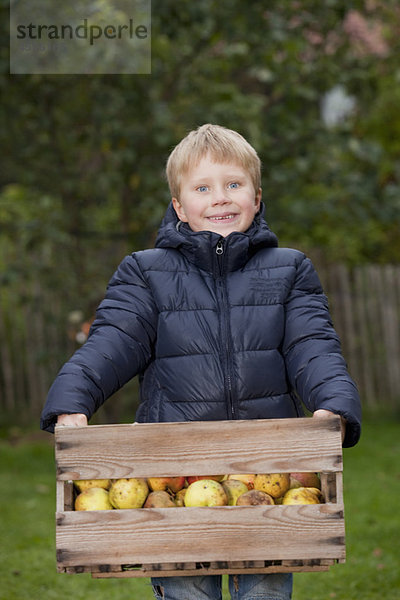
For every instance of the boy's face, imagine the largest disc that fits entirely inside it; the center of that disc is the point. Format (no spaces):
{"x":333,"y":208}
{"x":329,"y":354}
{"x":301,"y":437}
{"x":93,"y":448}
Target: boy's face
{"x":217,"y":197}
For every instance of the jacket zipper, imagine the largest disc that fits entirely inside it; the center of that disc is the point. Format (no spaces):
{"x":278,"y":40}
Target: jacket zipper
{"x":225,"y":328}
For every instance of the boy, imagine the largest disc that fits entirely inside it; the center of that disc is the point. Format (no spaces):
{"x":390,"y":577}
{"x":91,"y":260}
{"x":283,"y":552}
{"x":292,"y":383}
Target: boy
{"x":218,"y":322}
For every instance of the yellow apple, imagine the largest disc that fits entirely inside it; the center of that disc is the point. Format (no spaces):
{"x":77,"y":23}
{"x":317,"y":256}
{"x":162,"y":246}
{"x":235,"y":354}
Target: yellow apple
{"x":93,"y":499}
{"x":274,"y":484}
{"x":128,"y":493}
{"x":193,"y":478}
{"x":302,"y":495}
{"x":205,"y":492}
{"x":86,"y":484}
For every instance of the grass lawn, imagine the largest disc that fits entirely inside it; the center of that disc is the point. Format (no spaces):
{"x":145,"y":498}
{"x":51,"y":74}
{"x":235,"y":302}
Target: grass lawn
{"x":372,"y":517}
{"x":371,"y":488}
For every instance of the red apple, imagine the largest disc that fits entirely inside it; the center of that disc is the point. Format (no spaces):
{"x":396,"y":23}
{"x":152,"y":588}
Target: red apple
{"x":174,"y":484}
{"x":305,"y":480}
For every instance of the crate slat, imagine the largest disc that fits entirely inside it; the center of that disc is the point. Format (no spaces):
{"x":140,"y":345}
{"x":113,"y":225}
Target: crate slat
{"x":220,"y":533}
{"x":219,"y":447}
{"x":233,"y":569}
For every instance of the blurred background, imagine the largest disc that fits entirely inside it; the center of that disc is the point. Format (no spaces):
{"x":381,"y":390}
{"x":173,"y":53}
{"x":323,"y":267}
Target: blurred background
{"x":314,"y":86}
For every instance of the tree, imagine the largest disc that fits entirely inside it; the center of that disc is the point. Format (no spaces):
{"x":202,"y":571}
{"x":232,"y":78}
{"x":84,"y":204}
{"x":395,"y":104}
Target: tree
{"x":99,"y":143}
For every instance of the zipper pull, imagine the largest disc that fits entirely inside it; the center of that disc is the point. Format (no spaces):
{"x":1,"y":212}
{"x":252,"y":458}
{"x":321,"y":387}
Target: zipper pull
{"x":220,"y":248}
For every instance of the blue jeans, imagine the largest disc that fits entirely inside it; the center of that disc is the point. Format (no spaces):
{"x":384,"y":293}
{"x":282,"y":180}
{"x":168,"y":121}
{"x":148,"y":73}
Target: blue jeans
{"x":274,"y":586}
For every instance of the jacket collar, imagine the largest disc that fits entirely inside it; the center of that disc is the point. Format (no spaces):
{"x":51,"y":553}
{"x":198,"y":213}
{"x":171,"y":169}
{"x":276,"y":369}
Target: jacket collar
{"x":199,"y":247}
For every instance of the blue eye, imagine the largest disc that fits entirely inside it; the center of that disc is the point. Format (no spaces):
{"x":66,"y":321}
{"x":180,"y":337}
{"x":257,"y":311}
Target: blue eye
{"x":202,"y":188}
{"x":233,"y":185}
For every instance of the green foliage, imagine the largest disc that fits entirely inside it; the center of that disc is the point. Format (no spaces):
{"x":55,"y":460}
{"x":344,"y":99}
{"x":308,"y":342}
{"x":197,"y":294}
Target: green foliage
{"x":98,"y":144}
{"x":30,"y":226}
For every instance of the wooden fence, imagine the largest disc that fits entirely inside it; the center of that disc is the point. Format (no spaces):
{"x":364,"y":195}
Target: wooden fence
{"x":365,"y":304}
{"x":37,"y":337}
{"x":35,"y":341}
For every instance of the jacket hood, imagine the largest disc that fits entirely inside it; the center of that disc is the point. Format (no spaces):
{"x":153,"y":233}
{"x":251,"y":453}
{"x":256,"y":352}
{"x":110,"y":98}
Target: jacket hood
{"x":199,"y":246}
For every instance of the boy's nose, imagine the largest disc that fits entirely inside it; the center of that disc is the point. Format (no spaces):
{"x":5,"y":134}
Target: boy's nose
{"x":220,"y":196}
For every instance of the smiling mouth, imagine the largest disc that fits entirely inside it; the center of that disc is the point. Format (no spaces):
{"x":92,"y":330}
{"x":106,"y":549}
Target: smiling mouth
{"x":227,"y":217}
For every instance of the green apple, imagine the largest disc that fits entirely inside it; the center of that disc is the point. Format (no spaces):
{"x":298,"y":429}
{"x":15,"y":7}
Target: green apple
{"x":233,"y":489}
{"x":248,"y":479}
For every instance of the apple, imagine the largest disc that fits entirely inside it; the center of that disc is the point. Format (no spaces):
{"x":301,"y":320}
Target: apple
{"x":302,"y":495}
{"x":128,"y":493}
{"x":93,"y":499}
{"x":180,"y":497}
{"x":247,"y":479}
{"x":205,"y":492}
{"x":317,"y":492}
{"x":174,"y":484}
{"x":254,"y":498}
{"x":233,"y":489}
{"x":193,"y":478}
{"x":86,"y":484}
{"x":159,"y":499}
{"x":305,"y":480}
{"x":274,"y":484}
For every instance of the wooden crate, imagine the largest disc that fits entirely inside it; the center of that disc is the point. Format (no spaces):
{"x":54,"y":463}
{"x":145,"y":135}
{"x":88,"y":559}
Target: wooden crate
{"x":191,"y":541}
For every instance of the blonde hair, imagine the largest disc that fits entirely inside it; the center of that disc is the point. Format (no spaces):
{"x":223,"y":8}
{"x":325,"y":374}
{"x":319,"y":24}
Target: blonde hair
{"x":222,"y":144}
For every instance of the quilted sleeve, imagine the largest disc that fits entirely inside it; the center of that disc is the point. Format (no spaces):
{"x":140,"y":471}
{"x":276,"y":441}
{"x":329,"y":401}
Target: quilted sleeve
{"x":119,"y":346}
{"x":316,"y":368}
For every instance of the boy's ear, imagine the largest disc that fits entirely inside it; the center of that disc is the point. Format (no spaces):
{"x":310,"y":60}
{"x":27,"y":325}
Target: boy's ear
{"x":258,"y":199}
{"x":179,"y":210}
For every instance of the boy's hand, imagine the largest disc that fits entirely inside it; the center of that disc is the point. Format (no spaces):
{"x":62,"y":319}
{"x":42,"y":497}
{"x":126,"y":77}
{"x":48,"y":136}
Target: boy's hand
{"x":74,"y":420}
{"x":323,"y":414}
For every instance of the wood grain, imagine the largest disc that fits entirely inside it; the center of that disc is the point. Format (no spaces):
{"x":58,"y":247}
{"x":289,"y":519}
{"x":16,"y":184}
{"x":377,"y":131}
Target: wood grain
{"x":201,"y":448}
{"x":200,"y":534}
{"x":246,"y":539}
{"x":230,"y":569}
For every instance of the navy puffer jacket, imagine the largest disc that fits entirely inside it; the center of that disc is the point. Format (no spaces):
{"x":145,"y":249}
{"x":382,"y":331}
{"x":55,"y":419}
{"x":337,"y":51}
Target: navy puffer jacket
{"x":217,"y":328}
